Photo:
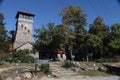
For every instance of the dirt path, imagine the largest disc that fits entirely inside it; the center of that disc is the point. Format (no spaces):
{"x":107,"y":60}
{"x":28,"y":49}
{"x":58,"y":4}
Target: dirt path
{"x":5,"y":69}
{"x":62,"y":74}
{"x":83,"y":78}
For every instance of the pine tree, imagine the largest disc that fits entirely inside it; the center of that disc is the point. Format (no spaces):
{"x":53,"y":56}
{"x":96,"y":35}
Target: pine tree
{"x":3,"y":35}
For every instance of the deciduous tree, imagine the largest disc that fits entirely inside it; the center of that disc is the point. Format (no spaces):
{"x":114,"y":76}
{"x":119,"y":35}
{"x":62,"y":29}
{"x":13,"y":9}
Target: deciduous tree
{"x":114,"y":43}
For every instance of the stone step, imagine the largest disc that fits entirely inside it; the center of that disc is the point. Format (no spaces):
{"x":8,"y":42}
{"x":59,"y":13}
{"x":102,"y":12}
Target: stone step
{"x":58,"y":70}
{"x":63,"y":71}
{"x":63,"y":74}
{"x":55,"y":66}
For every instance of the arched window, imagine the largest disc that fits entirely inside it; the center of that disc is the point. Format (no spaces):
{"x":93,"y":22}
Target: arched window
{"x":21,"y":27}
{"x":25,"y":28}
{"x":28,"y":31}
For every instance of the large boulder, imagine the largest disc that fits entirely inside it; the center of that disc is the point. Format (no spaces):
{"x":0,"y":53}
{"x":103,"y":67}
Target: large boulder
{"x":27,"y":75}
{"x":102,"y":68}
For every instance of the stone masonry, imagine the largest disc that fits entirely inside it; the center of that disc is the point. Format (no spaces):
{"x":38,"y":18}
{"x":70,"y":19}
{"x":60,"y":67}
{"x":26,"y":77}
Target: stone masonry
{"x":23,"y":29}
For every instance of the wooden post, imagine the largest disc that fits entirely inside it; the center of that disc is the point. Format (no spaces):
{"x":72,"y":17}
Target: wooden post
{"x":40,"y":62}
{"x":35,"y":68}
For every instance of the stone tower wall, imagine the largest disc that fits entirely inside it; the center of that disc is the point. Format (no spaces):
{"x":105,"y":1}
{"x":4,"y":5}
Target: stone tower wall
{"x":23,"y":30}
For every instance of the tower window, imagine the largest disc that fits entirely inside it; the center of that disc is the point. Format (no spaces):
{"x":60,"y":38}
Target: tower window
{"x":28,"y":31}
{"x":24,"y":16}
{"x":31,"y":17}
{"x":22,"y":25}
{"x":25,"y":28}
{"x":20,"y":15}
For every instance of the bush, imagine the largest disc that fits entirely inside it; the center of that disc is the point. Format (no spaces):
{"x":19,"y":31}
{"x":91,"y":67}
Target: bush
{"x":21,"y":55}
{"x":27,"y":59}
{"x":15,"y":60}
{"x":46,"y":69}
{"x":68,"y":64}
{"x":3,"y":55}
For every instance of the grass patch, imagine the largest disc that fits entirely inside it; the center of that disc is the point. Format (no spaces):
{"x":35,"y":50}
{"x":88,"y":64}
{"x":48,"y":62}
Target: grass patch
{"x":46,"y":69}
{"x":27,"y":64}
{"x":14,"y":64}
{"x":58,"y":63}
{"x":94,"y":73}
{"x":5,"y":65}
{"x":67,"y":64}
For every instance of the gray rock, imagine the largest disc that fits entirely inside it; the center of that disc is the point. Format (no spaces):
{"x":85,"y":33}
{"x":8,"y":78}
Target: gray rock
{"x":17,"y":78}
{"x":101,"y":68}
{"x":9,"y":78}
{"x":27,"y":75}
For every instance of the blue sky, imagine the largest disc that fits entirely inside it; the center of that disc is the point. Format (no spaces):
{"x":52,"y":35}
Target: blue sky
{"x":48,"y":10}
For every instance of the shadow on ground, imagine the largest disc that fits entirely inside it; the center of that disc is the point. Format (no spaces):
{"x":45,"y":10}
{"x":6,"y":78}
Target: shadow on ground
{"x":113,"y":70}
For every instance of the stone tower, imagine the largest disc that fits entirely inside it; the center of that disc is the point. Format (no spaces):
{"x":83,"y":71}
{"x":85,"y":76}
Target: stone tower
{"x":23,"y":29}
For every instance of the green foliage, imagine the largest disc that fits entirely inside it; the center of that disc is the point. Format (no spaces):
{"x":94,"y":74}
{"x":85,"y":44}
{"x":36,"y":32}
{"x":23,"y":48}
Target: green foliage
{"x":114,"y":41}
{"x":99,"y":37}
{"x":21,"y":55}
{"x":46,"y":69}
{"x":115,"y":44}
{"x":68,"y":64}
{"x":3,"y":35}
{"x":3,"y":55}
{"x":115,"y":30}
{"x":74,"y":16}
{"x":99,"y":28}
{"x":60,"y":37}
{"x":44,"y":35}
{"x":97,"y":42}
{"x":27,"y":59}
{"x":92,"y":41}
{"x":75,"y":19}
{"x":12,"y":36}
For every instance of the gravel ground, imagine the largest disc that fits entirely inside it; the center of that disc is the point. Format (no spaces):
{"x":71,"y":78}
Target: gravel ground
{"x":83,"y":78}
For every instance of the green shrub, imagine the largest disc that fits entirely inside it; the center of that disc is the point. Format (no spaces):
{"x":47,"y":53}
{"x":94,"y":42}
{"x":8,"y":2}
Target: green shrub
{"x":46,"y":69}
{"x":15,"y":60}
{"x":21,"y":55}
{"x":68,"y":64}
{"x":27,"y":59}
{"x":3,"y":55}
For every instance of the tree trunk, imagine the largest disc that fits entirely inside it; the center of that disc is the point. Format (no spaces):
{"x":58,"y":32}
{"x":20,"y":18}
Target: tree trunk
{"x":87,"y":58}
